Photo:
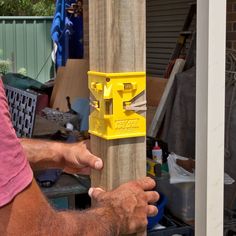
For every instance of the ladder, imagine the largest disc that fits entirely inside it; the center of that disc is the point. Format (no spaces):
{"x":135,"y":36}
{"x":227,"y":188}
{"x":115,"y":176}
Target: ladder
{"x":182,"y":39}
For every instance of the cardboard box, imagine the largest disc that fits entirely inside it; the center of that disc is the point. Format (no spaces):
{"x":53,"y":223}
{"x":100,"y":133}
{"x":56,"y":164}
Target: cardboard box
{"x":155,"y":89}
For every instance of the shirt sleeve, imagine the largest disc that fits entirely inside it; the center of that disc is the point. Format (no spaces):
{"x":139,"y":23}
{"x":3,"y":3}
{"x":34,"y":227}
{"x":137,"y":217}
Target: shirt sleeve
{"x":15,"y":172}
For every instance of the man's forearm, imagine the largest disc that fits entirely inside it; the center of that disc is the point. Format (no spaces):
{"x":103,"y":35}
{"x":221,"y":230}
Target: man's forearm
{"x":97,"y":221}
{"x":42,"y":154}
{"x":73,"y":158}
{"x":30,"y":214}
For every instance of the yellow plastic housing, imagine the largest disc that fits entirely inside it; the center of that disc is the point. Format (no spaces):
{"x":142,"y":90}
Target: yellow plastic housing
{"x":111,"y":93}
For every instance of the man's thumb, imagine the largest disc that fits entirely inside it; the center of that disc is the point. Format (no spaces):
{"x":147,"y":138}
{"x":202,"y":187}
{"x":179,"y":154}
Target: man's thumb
{"x":95,"y":192}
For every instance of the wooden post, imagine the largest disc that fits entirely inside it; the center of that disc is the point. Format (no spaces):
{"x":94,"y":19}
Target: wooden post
{"x":118,"y":44}
{"x":211,"y":33}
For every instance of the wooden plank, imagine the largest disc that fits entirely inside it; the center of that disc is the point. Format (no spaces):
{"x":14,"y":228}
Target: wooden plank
{"x":161,"y":109}
{"x":124,"y":160}
{"x":117,"y":37}
{"x":58,"y":81}
{"x":117,"y":44}
{"x":210,"y":103}
{"x":73,"y":84}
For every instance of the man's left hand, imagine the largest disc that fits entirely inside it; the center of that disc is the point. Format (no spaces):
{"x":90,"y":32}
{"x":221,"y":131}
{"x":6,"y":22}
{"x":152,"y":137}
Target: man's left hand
{"x":77,"y":159}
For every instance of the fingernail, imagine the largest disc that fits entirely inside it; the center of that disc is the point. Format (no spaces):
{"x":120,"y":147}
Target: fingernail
{"x":98,"y":164}
{"x":90,"y":192}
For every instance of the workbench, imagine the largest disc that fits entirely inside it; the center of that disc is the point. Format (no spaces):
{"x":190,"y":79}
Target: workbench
{"x":62,"y":193}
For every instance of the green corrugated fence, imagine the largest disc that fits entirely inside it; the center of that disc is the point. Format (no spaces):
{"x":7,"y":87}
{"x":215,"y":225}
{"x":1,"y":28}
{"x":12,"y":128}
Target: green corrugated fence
{"x":26,"y":41}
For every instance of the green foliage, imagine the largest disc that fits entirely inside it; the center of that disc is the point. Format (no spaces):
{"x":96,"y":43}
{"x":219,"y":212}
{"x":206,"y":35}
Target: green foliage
{"x":4,"y":66}
{"x":43,"y":8}
{"x":22,"y":71}
{"x":27,"y":7}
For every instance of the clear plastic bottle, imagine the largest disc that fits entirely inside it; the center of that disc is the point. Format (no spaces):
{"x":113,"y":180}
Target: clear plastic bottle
{"x":157,"y":153}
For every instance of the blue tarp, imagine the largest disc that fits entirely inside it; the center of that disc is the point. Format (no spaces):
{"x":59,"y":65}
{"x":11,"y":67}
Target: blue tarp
{"x":67,"y":33}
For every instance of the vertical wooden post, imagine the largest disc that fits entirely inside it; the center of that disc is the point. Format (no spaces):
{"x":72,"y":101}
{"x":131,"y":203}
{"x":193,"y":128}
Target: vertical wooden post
{"x":211,"y":31}
{"x":118,"y":44}
{"x":117,"y":33}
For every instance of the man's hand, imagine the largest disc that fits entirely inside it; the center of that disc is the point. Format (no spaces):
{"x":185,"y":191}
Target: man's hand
{"x":122,"y":211}
{"x":72,"y":158}
{"x":78,"y":159}
{"x":129,"y":204}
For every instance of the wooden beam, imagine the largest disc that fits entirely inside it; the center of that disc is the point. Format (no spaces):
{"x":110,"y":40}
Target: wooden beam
{"x":117,"y":44}
{"x":117,"y":35}
{"x":211,"y":33}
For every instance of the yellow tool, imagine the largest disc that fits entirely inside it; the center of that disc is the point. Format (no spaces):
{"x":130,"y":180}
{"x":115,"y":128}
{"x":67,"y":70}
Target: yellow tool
{"x":114,"y":112}
{"x":151,"y":167}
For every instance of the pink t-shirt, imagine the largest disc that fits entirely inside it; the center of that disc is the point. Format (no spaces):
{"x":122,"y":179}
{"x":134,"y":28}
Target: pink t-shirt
{"x":15,"y":172}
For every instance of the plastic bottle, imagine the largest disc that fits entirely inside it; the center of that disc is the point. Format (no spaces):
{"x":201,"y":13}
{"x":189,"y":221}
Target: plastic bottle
{"x":157,"y":153}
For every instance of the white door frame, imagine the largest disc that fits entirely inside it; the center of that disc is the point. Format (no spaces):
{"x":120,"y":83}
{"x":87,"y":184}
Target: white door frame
{"x":210,"y":105}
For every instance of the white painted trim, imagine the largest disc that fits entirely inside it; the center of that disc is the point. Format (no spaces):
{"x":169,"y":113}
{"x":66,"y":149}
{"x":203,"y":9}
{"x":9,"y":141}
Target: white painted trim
{"x":211,"y":33}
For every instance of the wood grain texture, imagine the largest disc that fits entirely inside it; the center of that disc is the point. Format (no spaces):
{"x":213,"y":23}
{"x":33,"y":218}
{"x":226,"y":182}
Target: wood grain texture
{"x":73,"y":84}
{"x":117,"y":35}
{"x":124,"y":160}
{"x":118,"y":44}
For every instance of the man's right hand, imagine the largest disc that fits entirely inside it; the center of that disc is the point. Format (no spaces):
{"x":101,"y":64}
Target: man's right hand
{"x":129,"y":204}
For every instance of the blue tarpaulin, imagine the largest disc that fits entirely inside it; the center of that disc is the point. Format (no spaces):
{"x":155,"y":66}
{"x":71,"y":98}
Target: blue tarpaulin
{"x":67,"y":33}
